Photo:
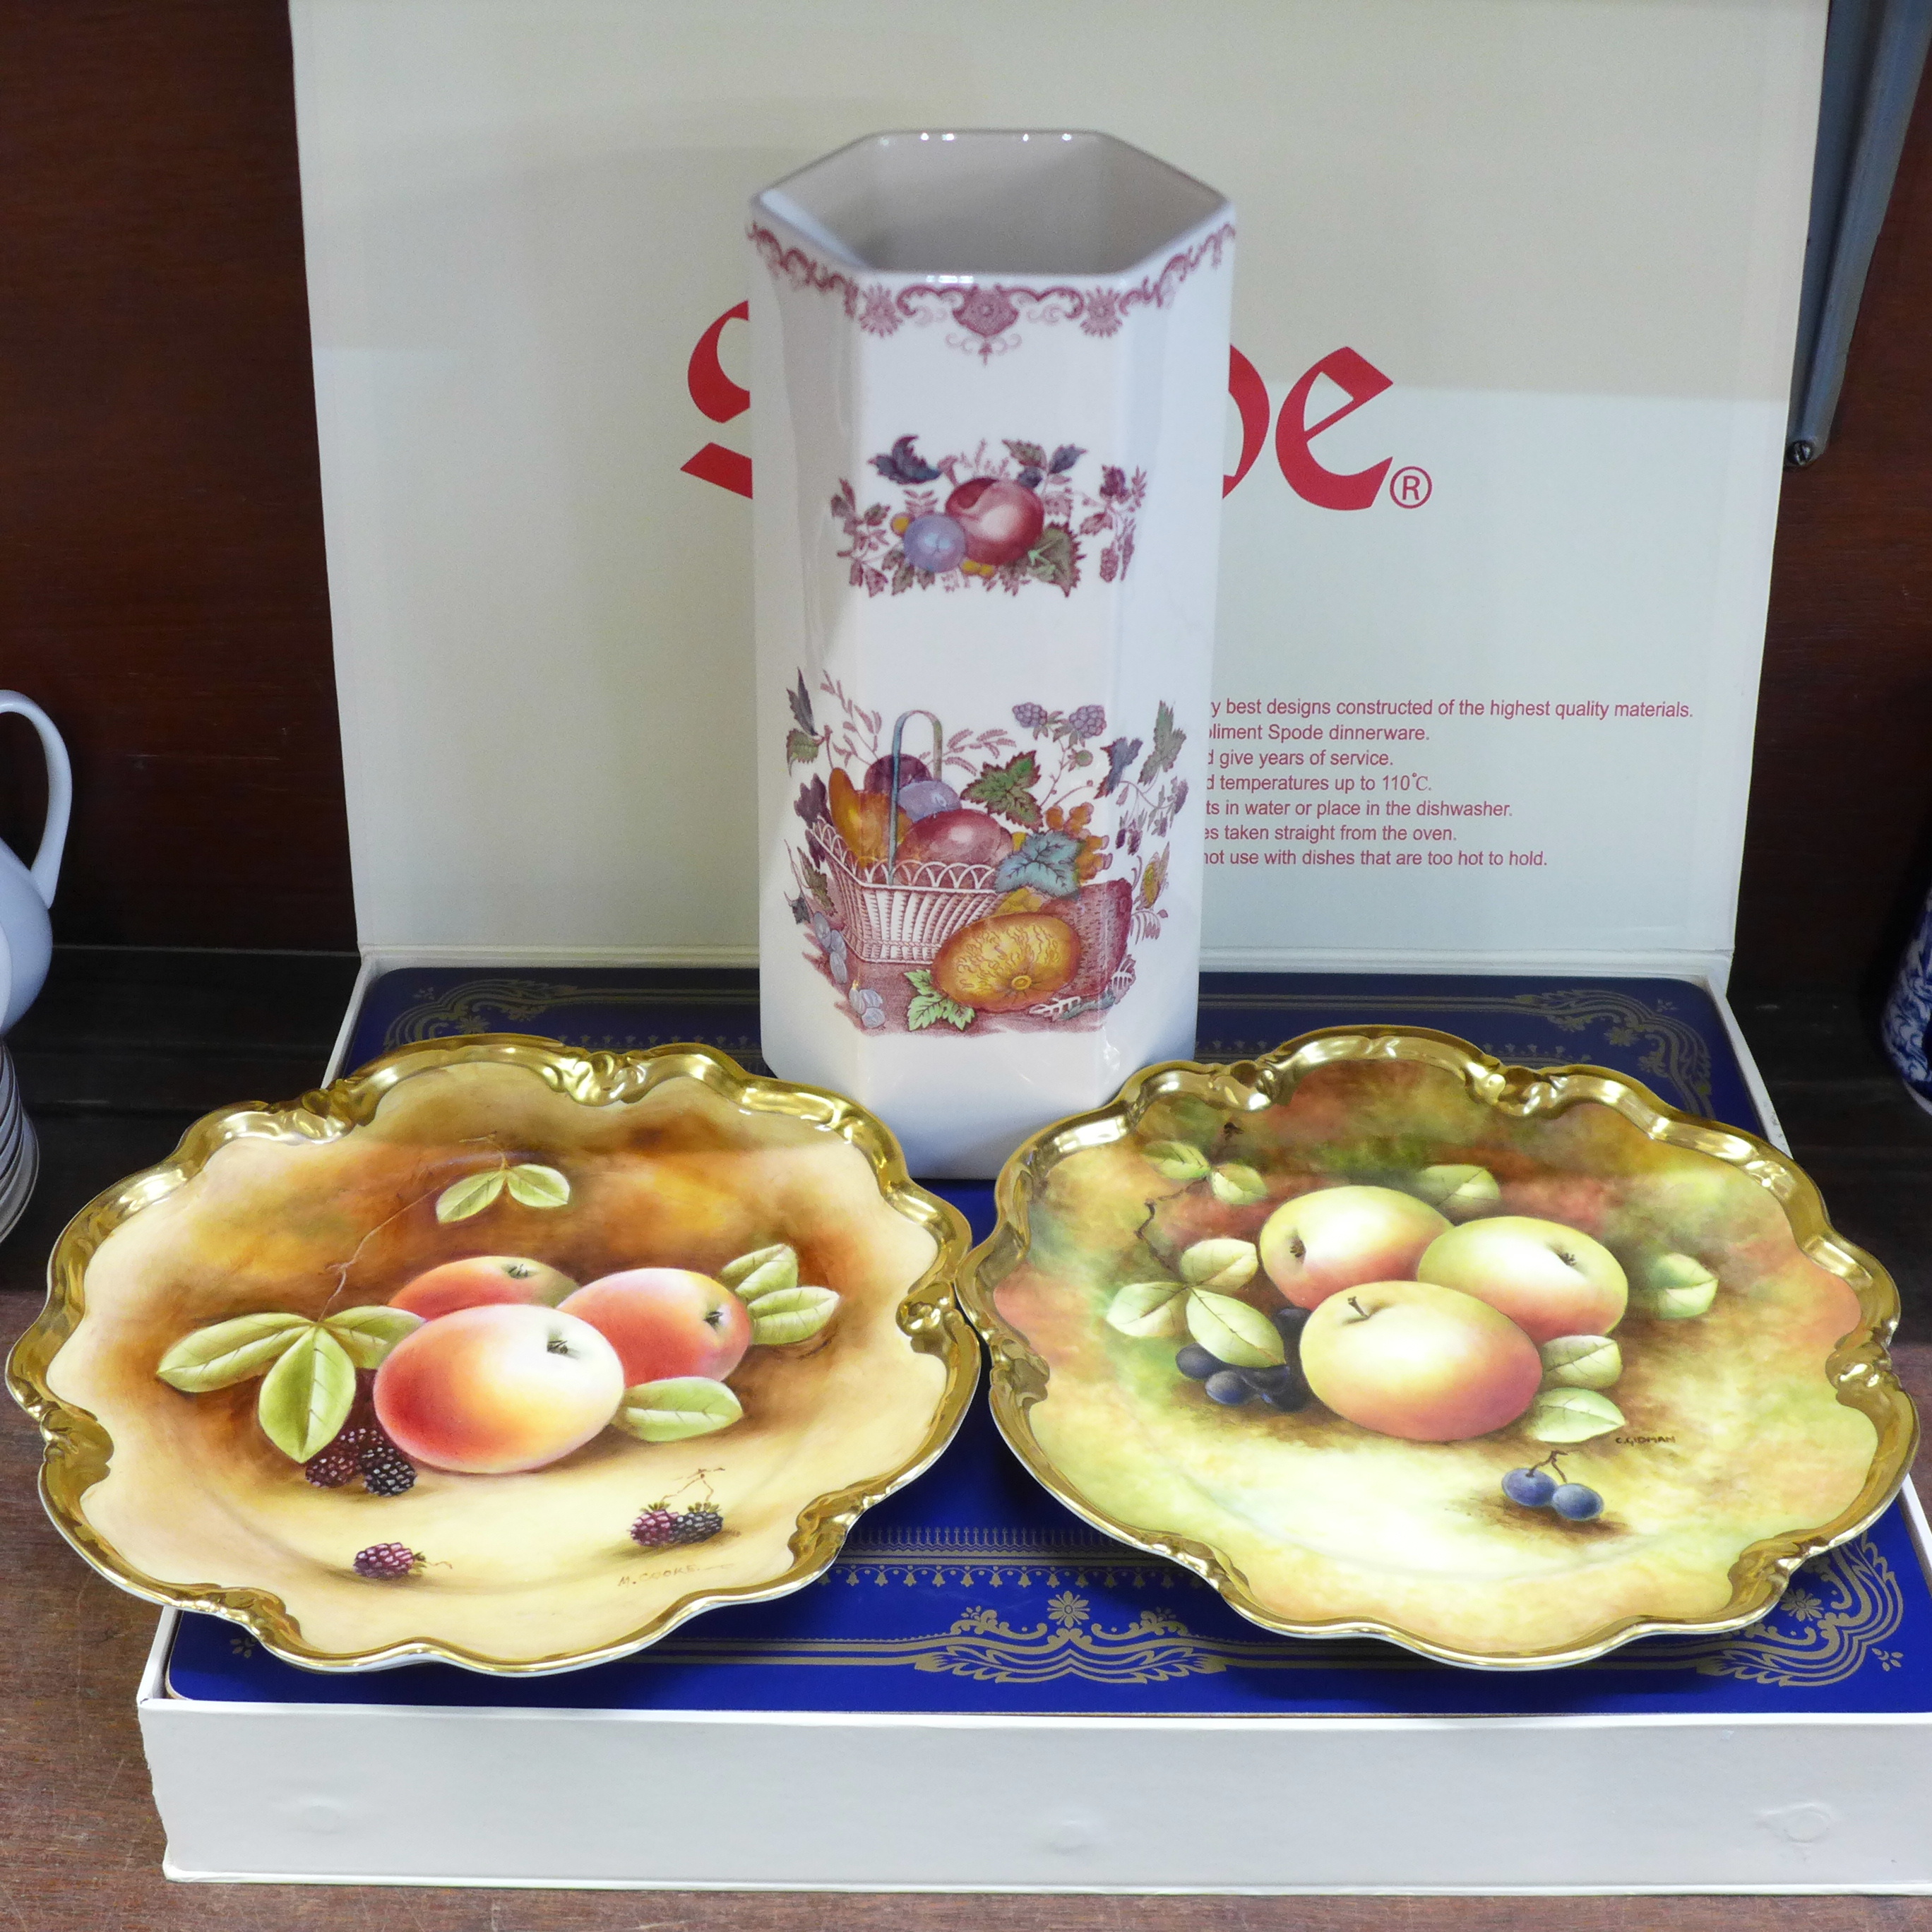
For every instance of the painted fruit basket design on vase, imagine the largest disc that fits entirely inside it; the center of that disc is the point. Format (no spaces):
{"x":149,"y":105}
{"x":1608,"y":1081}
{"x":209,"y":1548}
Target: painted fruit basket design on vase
{"x":497,"y":1353}
{"x":985,"y":904}
{"x":1381,"y":1337}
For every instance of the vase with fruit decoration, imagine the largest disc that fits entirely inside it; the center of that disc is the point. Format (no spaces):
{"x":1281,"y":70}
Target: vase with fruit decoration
{"x":989,"y":377}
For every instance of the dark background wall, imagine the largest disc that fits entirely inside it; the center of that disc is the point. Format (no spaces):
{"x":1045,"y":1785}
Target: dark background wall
{"x":162,"y":589}
{"x":161,"y":579}
{"x":1838,"y":852}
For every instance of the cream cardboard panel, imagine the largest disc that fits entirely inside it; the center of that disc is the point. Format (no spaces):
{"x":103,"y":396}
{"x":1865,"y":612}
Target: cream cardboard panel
{"x":1567,"y":232}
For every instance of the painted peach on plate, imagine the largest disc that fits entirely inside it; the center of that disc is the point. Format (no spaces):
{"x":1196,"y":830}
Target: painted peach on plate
{"x":475,"y":1281}
{"x":498,"y":1387}
{"x":664,"y":1322}
{"x":283,"y":1236}
{"x":1344,"y":1468}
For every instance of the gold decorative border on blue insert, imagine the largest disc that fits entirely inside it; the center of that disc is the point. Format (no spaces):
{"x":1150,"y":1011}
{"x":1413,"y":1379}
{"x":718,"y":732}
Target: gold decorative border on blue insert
{"x":1678,"y":1055}
{"x":1832,"y":1621}
{"x":489,"y":1005}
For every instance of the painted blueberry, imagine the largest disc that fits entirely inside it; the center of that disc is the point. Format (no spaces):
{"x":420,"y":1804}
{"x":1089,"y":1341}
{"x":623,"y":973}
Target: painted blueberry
{"x":1532,"y":1488}
{"x":1229,"y":1387}
{"x":1577,"y":1502}
{"x":1289,"y":1322}
{"x":1195,"y":1363}
{"x":1281,"y":1387}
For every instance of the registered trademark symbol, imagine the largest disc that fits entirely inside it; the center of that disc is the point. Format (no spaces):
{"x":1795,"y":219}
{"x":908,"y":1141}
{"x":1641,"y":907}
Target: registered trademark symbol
{"x":1409,"y":488}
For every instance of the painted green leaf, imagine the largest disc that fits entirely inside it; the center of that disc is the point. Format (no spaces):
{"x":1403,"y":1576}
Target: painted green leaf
{"x":1458,"y":1190}
{"x":1674,"y":1288}
{"x":801,"y":748}
{"x":1581,"y":1361}
{"x":537,"y":1186}
{"x":1238,"y":1186}
{"x":1007,"y":789}
{"x":1571,"y":1415}
{"x":1239,"y":1335}
{"x":1055,"y":559}
{"x":928,"y":1005}
{"x":681,"y":1406}
{"x":306,"y":1397}
{"x":368,"y":1334}
{"x":791,"y":1315}
{"x":1167,"y":744}
{"x":734,"y":1273}
{"x":230,"y":1351}
{"x":470,"y":1195}
{"x":1175,"y":1160}
{"x":1221,"y":1264}
{"x":776,"y":1277}
{"x":1145,"y":1308}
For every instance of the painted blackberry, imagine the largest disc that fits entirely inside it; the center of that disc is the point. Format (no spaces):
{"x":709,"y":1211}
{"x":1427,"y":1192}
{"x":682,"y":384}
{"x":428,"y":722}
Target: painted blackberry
{"x":1030,"y":717}
{"x":697,"y":1526}
{"x":386,"y":1560}
{"x":1089,"y":721}
{"x":386,"y":1471}
{"x":329,"y":1468}
{"x":655,"y":1528}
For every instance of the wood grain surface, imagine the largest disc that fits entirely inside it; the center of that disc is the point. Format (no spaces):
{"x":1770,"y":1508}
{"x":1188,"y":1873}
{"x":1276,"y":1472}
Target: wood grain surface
{"x":161,"y":577}
{"x":126,"y":1048}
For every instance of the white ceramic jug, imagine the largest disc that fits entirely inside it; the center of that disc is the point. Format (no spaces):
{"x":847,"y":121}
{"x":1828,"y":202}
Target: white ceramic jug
{"x":26,"y":933}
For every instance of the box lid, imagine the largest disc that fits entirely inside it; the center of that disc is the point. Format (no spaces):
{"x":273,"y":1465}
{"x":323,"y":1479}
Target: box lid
{"x":1515,"y":310}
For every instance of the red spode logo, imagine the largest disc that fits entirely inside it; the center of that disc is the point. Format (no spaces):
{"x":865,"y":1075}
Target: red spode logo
{"x":722,"y":401}
{"x":1361,"y":381}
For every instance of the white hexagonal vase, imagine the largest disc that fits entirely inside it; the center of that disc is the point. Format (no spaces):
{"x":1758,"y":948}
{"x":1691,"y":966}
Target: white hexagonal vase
{"x":989,"y":372}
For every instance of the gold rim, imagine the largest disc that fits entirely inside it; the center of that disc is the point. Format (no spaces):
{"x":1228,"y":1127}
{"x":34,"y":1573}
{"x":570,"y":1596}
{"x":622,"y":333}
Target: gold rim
{"x":1859,"y":1367}
{"x":78,"y":1447}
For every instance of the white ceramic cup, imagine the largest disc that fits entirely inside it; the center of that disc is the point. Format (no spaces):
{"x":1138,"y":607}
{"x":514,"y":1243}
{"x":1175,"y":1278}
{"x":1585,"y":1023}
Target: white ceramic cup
{"x":26,"y":946}
{"x":27,"y":892}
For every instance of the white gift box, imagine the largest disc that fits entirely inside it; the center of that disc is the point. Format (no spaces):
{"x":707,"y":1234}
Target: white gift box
{"x":1513,"y":322}
{"x":356,"y":1794}
{"x":1803,"y":1775}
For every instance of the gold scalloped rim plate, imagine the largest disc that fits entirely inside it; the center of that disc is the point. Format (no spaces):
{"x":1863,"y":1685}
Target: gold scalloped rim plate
{"x":78,"y":1448}
{"x":1859,"y":1367}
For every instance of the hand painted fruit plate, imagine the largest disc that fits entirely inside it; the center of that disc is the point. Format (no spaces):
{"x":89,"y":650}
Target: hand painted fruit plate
{"x":499,"y":1353}
{"x":1380,"y":1336}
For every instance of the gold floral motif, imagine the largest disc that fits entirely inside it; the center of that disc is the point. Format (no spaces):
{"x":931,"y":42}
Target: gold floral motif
{"x":483,"y":1005}
{"x":1677,"y":1056}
